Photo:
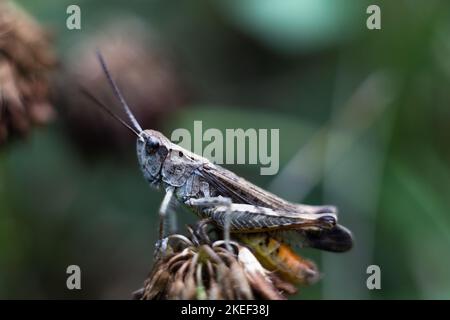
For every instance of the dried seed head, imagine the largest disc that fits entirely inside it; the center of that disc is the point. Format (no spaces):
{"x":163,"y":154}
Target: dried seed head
{"x":209,"y":271}
{"x":26,"y":60}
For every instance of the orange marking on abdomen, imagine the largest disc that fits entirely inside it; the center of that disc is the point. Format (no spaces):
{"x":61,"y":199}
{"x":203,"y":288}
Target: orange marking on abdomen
{"x":277,"y":256}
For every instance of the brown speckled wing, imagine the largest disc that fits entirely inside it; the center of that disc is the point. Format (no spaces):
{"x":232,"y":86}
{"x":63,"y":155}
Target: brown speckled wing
{"x":239,"y":190}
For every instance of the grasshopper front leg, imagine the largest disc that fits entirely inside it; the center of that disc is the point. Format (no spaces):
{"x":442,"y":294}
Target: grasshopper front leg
{"x":163,"y":210}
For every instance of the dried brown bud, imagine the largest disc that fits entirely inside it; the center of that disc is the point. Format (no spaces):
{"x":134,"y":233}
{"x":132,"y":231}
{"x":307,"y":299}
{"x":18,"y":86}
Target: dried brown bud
{"x":26,"y":59}
{"x":189,"y":270}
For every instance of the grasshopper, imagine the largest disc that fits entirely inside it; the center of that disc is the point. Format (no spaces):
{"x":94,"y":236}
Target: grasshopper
{"x":233,"y":204}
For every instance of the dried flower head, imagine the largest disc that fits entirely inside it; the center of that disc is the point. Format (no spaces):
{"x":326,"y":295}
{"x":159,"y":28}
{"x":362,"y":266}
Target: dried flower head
{"x":192,"y":269}
{"x":26,"y":59}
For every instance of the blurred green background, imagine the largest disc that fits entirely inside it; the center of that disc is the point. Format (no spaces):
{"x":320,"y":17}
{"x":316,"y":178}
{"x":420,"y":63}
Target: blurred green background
{"x":364,"y":125}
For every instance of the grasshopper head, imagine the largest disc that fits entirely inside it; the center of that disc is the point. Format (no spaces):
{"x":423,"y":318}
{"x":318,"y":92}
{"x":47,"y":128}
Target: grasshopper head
{"x":152,"y":146}
{"x":152,"y":149}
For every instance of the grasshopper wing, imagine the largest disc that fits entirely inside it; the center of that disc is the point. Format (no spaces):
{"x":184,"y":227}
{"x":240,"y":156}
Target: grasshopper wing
{"x":227,"y":184}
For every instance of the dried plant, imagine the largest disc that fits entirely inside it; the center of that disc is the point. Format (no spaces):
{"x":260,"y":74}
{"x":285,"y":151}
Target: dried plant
{"x":26,"y":60}
{"x":193,"y":269}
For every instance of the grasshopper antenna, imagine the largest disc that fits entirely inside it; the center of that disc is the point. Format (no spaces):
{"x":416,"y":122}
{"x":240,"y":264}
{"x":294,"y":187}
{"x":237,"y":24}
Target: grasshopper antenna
{"x":104,"y":107}
{"x":117,"y":92}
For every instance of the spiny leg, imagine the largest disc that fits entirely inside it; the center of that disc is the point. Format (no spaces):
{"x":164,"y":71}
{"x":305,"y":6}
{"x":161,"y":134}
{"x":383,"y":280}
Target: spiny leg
{"x":250,"y":218}
{"x":214,"y":202}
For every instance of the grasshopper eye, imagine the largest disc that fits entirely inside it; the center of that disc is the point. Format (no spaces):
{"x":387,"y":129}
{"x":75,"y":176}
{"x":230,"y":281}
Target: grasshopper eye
{"x":151,"y":146}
